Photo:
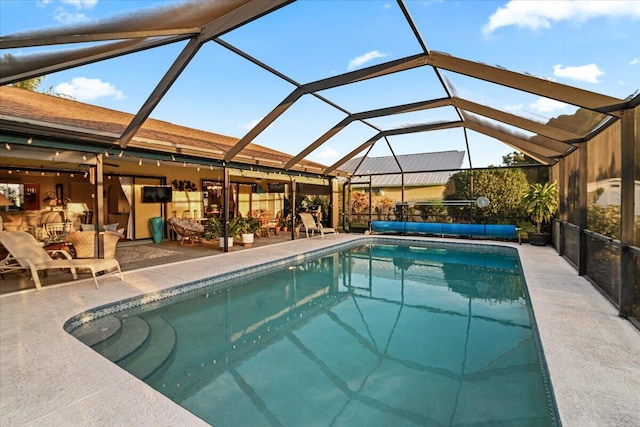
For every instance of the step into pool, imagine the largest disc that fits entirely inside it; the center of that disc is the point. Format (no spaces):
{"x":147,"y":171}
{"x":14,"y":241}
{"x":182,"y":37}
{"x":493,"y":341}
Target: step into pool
{"x":380,"y":334}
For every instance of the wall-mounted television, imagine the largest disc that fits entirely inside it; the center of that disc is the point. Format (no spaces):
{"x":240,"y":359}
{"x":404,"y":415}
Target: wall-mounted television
{"x":157,"y":194}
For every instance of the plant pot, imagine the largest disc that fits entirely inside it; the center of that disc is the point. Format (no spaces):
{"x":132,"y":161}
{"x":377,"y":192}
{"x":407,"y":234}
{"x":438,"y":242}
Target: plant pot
{"x":247,"y":239}
{"x":539,"y":239}
{"x":229,"y":241}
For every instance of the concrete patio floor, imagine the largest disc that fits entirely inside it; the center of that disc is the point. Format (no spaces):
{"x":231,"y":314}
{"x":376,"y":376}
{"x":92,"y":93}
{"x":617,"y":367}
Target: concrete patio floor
{"x":47,"y":377}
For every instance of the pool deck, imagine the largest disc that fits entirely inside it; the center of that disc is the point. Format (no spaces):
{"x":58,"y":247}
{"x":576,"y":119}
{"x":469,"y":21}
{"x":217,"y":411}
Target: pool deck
{"x":47,"y":377}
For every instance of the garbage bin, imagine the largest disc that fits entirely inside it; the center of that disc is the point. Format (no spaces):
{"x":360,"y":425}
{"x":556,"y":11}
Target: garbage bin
{"x":156,"y":228}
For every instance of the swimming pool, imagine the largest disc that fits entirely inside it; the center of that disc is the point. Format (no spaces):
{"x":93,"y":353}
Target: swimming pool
{"x":380,"y":334}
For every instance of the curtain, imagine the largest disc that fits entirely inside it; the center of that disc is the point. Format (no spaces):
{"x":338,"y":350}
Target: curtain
{"x":126,"y":182}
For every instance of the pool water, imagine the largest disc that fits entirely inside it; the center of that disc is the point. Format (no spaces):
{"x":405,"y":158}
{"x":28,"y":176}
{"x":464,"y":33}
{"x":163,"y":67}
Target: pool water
{"x":374,"y":335}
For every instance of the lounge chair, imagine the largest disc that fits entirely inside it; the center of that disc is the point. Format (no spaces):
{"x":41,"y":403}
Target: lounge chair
{"x":310,"y":225}
{"x":25,"y":252}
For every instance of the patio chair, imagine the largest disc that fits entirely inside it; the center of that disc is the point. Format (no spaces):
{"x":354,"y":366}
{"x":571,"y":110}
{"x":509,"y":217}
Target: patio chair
{"x":310,"y":225}
{"x":56,"y":231}
{"x":187,"y":229}
{"x":265,"y":225}
{"x":84,"y":243}
{"x":25,"y":252}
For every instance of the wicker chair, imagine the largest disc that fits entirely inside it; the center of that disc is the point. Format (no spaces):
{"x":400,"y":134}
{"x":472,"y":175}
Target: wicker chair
{"x":187,"y":229}
{"x":84,"y":243}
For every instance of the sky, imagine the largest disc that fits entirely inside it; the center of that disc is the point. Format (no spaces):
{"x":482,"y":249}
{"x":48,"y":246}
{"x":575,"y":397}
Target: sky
{"x":592,"y":45}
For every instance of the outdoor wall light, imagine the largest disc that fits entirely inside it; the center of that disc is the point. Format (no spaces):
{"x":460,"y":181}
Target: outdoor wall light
{"x":173,"y":157}
{"x":121,"y":153}
{"x":106,"y":153}
{"x":29,"y":141}
{"x":139,"y":162}
{"x":157,"y":162}
{"x":7,"y":146}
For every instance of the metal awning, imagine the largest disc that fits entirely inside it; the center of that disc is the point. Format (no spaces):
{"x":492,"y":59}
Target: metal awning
{"x":197,"y":23}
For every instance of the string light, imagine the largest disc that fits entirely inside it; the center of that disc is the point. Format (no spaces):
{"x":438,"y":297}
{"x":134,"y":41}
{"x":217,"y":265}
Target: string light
{"x":42,"y":173}
{"x":57,"y":173}
{"x":71,"y":175}
{"x":184,"y":165}
{"x":211,"y":167}
{"x":10,"y":172}
{"x":57,"y":153}
{"x":26,"y":172}
{"x":198,"y":169}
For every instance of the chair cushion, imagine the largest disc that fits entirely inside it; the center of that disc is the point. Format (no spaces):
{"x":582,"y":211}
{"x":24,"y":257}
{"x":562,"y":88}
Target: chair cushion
{"x":111,"y":227}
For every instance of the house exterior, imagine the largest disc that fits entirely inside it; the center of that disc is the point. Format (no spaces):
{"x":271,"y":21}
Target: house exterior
{"x":425,"y":175}
{"x":58,"y":152}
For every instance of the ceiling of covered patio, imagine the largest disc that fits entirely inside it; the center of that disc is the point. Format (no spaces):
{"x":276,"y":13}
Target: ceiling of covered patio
{"x":370,"y":111}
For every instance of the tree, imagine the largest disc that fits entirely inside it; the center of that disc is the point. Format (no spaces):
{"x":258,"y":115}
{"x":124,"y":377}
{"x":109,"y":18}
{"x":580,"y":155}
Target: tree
{"x":30,"y":84}
{"x":504,"y":187}
{"x":534,"y":175}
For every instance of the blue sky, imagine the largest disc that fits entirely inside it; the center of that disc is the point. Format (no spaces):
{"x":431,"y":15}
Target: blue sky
{"x":588,"y":44}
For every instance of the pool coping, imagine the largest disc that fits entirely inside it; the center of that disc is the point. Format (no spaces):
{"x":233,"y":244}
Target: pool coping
{"x":47,"y":376}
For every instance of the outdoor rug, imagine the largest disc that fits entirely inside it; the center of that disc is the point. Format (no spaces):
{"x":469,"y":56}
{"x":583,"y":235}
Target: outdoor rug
{"x":137,"y":253}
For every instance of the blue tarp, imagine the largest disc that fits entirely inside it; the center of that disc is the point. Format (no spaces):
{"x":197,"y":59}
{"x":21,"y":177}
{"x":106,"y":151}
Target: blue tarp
{"x":502,"y":231}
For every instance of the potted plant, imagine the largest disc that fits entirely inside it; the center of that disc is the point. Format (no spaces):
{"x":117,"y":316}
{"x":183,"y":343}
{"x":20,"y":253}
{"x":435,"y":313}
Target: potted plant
{"x":249,"y":227}
{"x":214,"y":229}
{"x":284,"y":222}
{"x":541,"y":202}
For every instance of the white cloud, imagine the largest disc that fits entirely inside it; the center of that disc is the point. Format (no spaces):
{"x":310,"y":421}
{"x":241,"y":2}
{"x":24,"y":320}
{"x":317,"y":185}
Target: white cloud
{"x":326,"y":156}
{"x":363,"y":59}
{"x":634,"y":61}
{"x":81,"y":4}
{"x":67,"y":18}
{"x":586,"y":73}
{"x":248,"y":126}
{"x":84,"y":89}
{"x":514,"y":108}
{"x":541,"y":14}
{"x":546,"y":105}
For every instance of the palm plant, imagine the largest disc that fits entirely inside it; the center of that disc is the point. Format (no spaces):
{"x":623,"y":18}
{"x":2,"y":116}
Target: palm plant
{"x":250,"y":225}
{"x":541,"y":202}
{"x":214,"y":228}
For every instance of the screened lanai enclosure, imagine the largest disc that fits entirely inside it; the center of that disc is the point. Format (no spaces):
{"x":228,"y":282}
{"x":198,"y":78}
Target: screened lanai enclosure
{"x":415,"y":95}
